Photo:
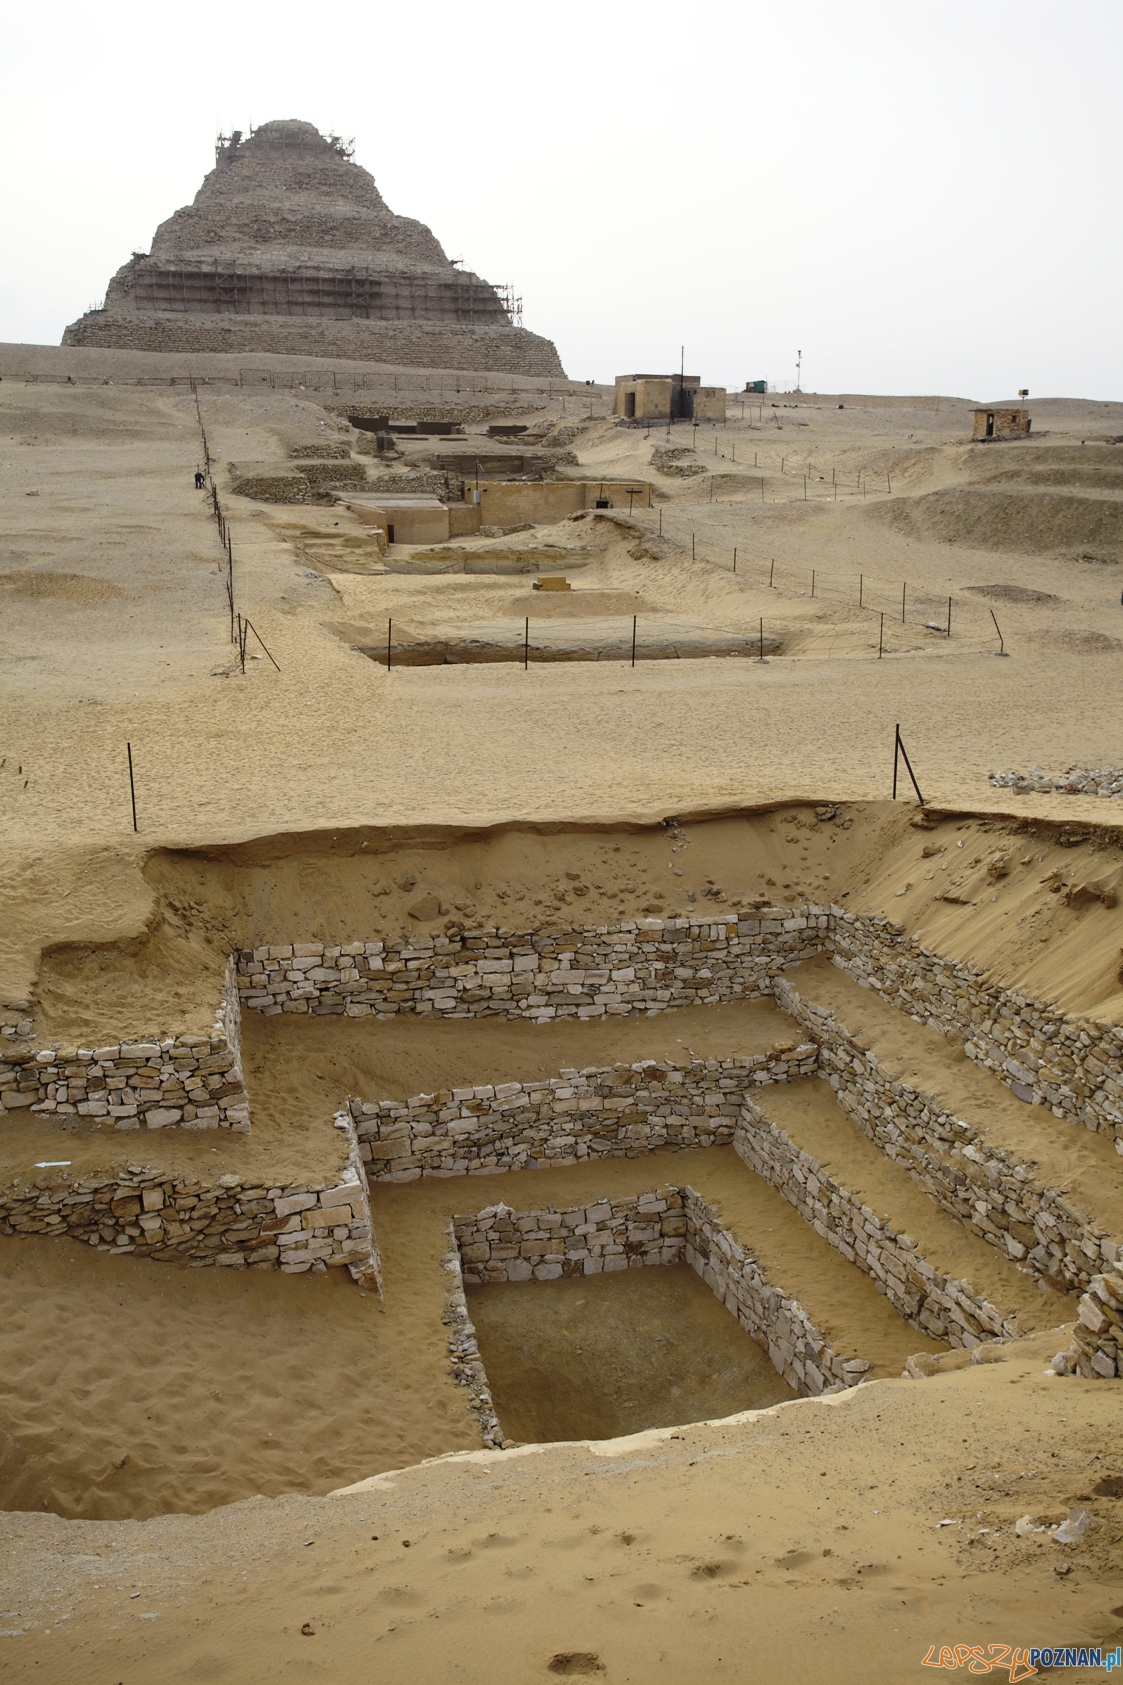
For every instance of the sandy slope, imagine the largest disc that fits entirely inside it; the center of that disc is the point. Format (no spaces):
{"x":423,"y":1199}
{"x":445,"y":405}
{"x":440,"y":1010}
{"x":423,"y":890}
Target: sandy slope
{"x":803,"y":1539}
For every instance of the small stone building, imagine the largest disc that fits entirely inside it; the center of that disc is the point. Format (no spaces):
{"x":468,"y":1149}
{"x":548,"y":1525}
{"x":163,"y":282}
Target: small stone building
{"x":1002,"y":421}
{"x":668,"y":397}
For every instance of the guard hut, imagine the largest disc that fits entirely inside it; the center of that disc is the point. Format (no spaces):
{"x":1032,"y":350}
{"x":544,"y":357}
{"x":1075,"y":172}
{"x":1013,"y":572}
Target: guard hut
{"x":668,"y":397}
{"x":1002,"y":421}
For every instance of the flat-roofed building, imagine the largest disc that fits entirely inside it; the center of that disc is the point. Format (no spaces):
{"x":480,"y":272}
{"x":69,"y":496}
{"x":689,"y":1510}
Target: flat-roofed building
{"x":1001,"y":421}
{"x":668,"y":397}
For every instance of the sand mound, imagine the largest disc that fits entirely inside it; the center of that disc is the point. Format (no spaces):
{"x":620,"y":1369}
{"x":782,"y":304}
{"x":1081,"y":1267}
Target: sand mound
{"x":1076,"y":642}
{"x":578,"y":604}
{"x":1098,"y":467}
{"x":1037,"y":522}
{"x":1012,"y":594}
{"x":47,"y":426}
{"x":78,"y":588}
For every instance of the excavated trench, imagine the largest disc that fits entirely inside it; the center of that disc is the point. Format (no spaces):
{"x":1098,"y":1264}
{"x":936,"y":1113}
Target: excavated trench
{"x":733,"y":1157}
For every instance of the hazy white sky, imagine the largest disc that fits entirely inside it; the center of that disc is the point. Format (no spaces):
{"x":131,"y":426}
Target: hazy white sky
{"x":923,"y":195}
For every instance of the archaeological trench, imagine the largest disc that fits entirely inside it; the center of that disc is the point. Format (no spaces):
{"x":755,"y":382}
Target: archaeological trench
{"x":675,"y":1066}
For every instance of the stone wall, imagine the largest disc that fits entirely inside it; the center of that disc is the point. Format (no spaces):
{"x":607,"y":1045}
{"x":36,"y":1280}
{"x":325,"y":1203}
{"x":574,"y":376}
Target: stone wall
{"x":665,"y":1226}
{"x":1099,"y":1326}
{"x":616,"y":1112}
{"x":150,"y":1214}
{"x":946,"y":1309}
{"x":500,"y":1244}
{"x":588,"y":973}
{"x":189,"y":1081}
{"x":1073,"y":1065}
{"x":803,"y":1356}
{"x":464,"y":1352}
{"x":987,"y":1188}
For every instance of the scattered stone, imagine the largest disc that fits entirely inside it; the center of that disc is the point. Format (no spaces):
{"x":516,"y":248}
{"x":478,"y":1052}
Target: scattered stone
{"x":425,"y":907}
{"x":1072,"y":781}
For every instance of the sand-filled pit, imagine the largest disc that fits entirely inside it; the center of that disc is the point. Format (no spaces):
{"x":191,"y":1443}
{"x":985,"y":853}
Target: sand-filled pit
{"x":598,"y":1356}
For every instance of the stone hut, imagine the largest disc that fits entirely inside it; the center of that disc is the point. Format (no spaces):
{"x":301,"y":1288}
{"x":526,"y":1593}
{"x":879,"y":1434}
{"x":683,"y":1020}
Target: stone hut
{"x":289,"y":247}
{"x":998,"y":421}
{"x":668,"y":397}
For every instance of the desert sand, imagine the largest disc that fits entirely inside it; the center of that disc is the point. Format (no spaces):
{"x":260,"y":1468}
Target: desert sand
{"x":211,"y":1474}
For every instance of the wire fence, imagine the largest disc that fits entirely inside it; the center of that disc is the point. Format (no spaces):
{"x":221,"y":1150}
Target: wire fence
{"x":224,"y":534}
{"x":890,"y":604}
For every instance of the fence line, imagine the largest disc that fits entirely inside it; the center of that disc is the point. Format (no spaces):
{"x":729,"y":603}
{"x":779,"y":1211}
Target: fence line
{"x":900,"y":603}
{"x":224,"y":534}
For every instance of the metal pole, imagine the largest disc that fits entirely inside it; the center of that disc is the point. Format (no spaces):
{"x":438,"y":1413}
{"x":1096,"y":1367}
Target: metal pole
{"x":771,"y":571}
{"x":734,"y":558}
{"x":861,"y":587}
{"x":389,"y":627}
{"x":881,"y":638}
{"x":908,"y":769}
{"x":762,"y":639}
{"x":260,"y":640}
{"x":526,"y":644}
{"x":904,"y":588}
{"x":692,"y":557}
{"x":998,"y":629}
{"x":132,"y":786}
{"x":949,"y":617}
{"x":896,"y":756}
{"x":634,"y":619}
{"x":812,"y":581}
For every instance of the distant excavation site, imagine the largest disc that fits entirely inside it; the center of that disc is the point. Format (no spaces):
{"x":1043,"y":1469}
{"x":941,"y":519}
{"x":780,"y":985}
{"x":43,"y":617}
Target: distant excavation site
{"x":561,"y":990}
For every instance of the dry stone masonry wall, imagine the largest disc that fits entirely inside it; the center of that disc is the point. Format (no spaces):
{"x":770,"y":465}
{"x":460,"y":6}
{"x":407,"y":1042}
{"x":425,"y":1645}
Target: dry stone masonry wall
{"x":1099,"y":1326}
{"x":187,"y":1081}
{"x":501,"y":1244}
{"x":590,"y":973}
{"x":666,"y":1226}
{"x":464,"y":1352}
{"x":151,"y":1214}
{"x":986,"y":1188}
{"x":946,"y":1309}
{"x":619,"y":1111}
{"x":803,"y":1356}
{"x":1073,"y":1065}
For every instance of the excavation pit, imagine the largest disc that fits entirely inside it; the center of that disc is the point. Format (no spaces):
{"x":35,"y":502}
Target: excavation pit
{"x":762,"y":1055}
{"x":594,"y":1357}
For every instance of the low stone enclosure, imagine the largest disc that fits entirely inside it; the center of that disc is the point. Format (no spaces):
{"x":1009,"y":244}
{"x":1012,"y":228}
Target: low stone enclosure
{"x":669,"y":1225}
{"x":1071,"y":1065}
